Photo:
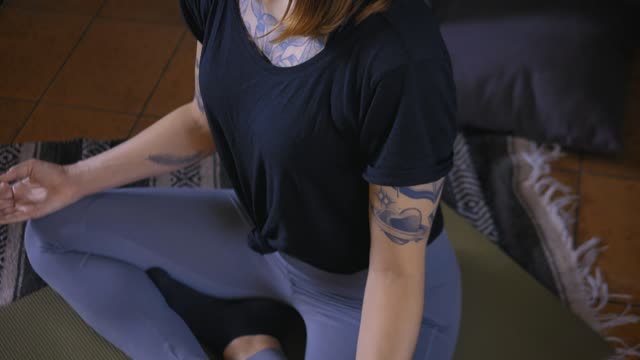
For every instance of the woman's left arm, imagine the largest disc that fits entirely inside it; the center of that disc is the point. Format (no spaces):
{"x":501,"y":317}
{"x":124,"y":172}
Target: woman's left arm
{"x":400,"y":222}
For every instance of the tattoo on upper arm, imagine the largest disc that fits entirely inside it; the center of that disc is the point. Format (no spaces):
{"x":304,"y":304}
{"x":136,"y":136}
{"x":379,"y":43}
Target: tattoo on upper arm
{"x":173,"y":160}
{"x":405,"y":224}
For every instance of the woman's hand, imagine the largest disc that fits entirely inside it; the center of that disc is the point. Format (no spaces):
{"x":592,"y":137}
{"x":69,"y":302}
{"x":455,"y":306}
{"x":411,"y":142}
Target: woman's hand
{"x":38,"y":188}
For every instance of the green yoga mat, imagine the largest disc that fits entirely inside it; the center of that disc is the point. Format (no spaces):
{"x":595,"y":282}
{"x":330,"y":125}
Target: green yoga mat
{"x":506,"y":315}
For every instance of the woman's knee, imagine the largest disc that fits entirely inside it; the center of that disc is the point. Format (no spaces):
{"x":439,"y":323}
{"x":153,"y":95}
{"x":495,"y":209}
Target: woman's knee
{"x":51,"y":231}
{"x":35,"y":244}
{"x":39,"y":238}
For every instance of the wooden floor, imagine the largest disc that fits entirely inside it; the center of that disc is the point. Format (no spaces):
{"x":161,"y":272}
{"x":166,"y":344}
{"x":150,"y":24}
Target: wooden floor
{"x":106,"y":69}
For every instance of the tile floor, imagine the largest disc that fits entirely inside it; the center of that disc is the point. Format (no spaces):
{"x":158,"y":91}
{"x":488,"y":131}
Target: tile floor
{"x":106,"y":69}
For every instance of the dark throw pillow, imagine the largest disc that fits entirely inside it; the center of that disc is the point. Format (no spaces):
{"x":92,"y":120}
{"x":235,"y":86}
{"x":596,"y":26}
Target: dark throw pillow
{"x":553,"y":72}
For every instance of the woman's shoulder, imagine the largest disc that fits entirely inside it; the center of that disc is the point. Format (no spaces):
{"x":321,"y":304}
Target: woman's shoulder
{"x":196,"y":14}
{"x":200,"y":6}
{"x":406,"y":33}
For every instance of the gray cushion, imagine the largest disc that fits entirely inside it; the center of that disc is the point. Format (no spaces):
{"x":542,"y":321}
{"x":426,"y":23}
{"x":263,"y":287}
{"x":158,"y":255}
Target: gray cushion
{"x":553,"y":71}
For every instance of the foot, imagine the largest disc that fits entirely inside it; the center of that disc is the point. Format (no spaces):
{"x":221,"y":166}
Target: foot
{"x":244,"y":347}
{"x":238,"y":328}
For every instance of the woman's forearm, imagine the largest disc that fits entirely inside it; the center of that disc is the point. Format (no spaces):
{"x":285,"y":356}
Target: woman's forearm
{"x":176,"y":140}
{"x":391,"y":316}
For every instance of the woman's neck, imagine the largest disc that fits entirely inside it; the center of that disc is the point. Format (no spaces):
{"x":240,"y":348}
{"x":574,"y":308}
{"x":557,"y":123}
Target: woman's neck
{"x":275,"y":8}
{"x":260,"y":16}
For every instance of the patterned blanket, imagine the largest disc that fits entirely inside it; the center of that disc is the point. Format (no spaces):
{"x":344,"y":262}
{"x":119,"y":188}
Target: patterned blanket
{"x":500,"y":184}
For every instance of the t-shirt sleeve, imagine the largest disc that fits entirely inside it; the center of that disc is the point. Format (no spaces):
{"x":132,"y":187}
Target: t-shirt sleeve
{"x":195,"y":14}
{"x":408,"y":129}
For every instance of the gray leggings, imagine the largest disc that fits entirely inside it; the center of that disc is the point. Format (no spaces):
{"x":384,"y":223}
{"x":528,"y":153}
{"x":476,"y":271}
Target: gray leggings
{"x":94,"y":253}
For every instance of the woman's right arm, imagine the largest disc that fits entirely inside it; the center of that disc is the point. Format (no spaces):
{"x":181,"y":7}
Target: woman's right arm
{"x":178,"y":139}
{"x":35,"y":188}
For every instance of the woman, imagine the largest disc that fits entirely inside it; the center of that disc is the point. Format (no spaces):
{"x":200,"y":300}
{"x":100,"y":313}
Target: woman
{"x":335,"y":122}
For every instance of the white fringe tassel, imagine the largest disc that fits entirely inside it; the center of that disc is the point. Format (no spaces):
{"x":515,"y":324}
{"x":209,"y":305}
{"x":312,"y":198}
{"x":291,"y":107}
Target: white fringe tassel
{"x":584,"y":256}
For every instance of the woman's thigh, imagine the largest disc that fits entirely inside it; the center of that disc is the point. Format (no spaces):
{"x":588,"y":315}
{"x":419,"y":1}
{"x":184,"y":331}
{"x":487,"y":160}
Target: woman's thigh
{"x":197,"y":235}
{"x":331,"y":306}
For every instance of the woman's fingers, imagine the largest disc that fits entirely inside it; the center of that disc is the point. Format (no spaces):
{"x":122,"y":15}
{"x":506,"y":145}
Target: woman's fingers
{"x":6,"y":204}
{"x":17,"y":204}
{"x":17,"y":172}
{"x":5,"y":220}
{"x":22,"y":206}
{"x":28,"y":191}
{"x":6,"y":196}
{"x":24,"y":199}
{"x":5,"y":191}
{"x":18,"y":214}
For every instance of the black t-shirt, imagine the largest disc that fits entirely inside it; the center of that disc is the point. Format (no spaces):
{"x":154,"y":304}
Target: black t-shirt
{"x":300,"y":144}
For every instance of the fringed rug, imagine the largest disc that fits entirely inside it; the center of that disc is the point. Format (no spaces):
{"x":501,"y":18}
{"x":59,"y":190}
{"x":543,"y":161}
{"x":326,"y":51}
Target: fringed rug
{"x":501,"y":184}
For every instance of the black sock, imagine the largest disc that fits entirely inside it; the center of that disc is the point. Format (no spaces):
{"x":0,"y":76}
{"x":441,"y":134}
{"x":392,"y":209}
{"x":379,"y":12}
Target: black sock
{"x":216,"y":322}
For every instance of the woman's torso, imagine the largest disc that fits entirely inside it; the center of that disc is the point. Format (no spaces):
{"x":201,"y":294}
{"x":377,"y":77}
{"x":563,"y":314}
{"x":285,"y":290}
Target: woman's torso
{"x":286,"y":128}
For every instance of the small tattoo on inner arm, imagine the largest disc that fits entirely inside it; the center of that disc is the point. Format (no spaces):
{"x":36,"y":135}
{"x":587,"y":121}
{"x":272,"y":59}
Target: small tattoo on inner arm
{"x":404,"y":225}
{"x":173,"y":160}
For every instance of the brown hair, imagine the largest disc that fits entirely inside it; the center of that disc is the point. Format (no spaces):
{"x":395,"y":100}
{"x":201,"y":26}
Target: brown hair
{"x":318,"y":18}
